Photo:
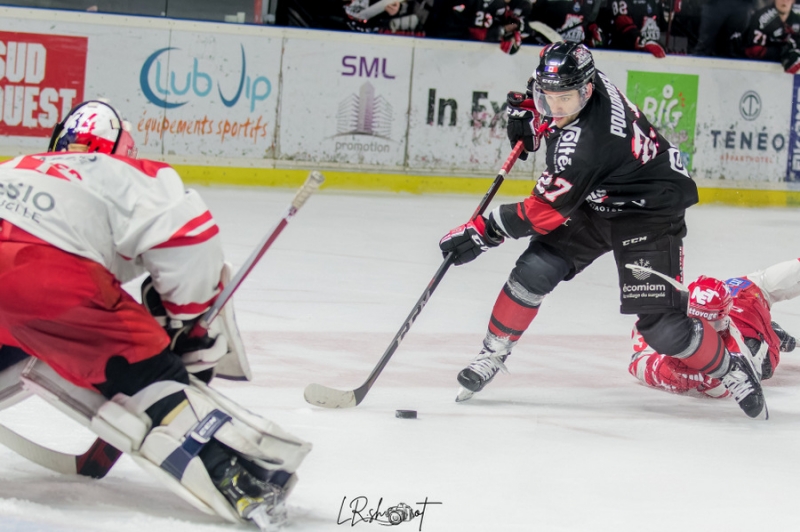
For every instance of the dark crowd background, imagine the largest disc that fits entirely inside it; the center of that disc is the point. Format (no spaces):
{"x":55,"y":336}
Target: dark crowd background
{"x":767,"y":30}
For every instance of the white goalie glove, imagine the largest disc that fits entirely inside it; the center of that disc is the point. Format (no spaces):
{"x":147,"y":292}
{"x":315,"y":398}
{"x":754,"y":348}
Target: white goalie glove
{"x":218,"y":353}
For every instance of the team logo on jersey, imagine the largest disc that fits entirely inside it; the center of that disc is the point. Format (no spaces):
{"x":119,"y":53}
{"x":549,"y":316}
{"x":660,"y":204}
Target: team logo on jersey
{"x":597,"y":196}
{"x":641,"y":275}
{"x":703,"y":296}
{"x":567,"y":144}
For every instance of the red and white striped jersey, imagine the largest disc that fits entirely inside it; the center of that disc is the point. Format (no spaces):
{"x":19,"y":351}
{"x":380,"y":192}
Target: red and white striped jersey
{"x":130,"y":215}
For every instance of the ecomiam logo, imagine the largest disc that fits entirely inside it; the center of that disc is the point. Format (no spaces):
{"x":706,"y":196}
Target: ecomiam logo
{"x":641,"y":274}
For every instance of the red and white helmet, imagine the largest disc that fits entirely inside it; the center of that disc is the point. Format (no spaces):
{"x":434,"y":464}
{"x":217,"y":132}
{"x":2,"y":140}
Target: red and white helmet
{"x":711,"y":300}
{"x":96,"y":125}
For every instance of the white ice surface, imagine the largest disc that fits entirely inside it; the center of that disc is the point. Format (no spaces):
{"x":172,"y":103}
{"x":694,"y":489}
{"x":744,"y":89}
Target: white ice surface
{"x":568,"y":441}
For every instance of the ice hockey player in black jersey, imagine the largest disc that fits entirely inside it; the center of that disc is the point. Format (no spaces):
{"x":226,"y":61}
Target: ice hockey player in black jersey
{"x":773,"y":35}
{"x":612,"y":183}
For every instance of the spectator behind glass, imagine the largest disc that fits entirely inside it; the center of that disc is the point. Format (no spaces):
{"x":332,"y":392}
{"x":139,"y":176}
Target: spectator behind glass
{"x":773,"y":34}
{"x":463,"y":20}
{"x":399,"y":18}
{"x":719,"y":20}
{"x":634,"y":25}
{"x":479,"y":20}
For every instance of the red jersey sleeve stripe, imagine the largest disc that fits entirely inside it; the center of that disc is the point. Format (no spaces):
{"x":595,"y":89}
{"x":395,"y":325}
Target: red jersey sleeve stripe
{"x":542,"y":216}
{"x":188,"y":308}
{"x":182,"y":236}
{"x":190,"y":240}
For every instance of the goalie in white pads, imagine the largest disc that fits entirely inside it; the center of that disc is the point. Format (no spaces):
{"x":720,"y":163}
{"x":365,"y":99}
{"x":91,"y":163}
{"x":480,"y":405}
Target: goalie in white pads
{"x":75,"y":224}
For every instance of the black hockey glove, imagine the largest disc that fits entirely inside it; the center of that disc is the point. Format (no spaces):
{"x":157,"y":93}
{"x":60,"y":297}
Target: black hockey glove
{"x":524,"y":123}
{"x":790,"y":59}
{"x":471,"y":239}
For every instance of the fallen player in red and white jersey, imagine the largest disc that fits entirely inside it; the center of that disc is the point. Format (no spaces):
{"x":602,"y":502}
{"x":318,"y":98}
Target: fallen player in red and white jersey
{"x":739,"y":306}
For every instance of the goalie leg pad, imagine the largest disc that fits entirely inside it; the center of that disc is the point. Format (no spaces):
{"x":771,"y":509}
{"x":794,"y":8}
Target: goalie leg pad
{"x":170,"y":451}
{"x":174,"y":446}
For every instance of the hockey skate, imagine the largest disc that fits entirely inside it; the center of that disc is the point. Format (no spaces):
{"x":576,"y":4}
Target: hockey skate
{"x":788,"y":342}
{"x":257,"y":500}
{"x":745,"y":386}
{"x":482,"y":370}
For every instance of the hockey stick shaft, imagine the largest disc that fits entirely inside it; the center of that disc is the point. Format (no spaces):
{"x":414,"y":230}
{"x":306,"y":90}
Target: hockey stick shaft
{"x":98,"y":460}
{"x":312,"y":183}
{"x":374,"y":10}
{"x":319,"y":395}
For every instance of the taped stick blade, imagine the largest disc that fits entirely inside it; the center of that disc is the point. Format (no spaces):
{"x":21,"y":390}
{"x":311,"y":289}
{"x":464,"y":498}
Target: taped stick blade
{"x":319,"y":395}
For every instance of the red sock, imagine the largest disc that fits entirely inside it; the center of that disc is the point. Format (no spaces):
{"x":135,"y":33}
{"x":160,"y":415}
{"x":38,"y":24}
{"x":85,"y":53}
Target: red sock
{"x":510,"y":316}
{"x":709,"y":357}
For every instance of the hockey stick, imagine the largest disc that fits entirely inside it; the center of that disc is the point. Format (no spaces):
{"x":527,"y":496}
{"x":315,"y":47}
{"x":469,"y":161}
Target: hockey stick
{"x":372,"y":11}
{"x":95,"y":463}
{"x":313,"y":182}
{"x":545,"y":31}
{"x":98,"y":460}
{"x":319,"y":395}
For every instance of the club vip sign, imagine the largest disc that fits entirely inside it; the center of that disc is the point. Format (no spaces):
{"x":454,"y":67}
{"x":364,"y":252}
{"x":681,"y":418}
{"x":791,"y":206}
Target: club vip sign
{"x":41,"y":78}
{"x":209,"y":95}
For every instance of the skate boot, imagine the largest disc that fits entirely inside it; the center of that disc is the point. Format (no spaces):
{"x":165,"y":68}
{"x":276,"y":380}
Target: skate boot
{"x":788,"y":342}
{"x":482,"y":370}
{"x":257,"y":500}
{"x":745,"y":386}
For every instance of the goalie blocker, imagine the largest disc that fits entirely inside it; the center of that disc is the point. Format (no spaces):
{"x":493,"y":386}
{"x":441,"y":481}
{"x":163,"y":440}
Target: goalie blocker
{"x":219,"y":354}
{"x":266,"y":456}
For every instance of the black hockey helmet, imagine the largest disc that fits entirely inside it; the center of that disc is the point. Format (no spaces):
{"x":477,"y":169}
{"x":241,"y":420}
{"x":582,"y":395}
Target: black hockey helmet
{"x":563,"y":66}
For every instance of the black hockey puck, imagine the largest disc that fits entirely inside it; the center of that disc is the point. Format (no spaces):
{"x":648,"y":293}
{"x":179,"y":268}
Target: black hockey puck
{"x":406,"y":414}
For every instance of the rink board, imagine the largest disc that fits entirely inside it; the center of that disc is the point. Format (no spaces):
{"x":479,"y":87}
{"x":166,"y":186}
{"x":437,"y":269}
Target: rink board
{"x":254,"y":105}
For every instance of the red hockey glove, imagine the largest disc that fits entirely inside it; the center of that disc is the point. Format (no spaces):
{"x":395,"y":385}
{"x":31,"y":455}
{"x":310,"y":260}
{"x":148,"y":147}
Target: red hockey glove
{"x":511,"y":42}
{"x":790,"y":59}
{"x":470,"y":240}
{"x":651,"y":46}
{"x":594,"y":36}
{"x":524,"y":123}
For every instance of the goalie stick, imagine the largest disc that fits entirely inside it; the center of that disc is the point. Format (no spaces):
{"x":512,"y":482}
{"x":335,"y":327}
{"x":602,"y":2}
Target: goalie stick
{"x":319,"y":395}
{"x":98,"y":460}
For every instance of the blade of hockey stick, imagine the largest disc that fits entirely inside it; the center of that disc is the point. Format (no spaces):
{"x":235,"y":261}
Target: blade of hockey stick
{"x":95,"y":463}
{"x":101,"y":456}
{"x":545,"y":31}
{"x":319,"y":395}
